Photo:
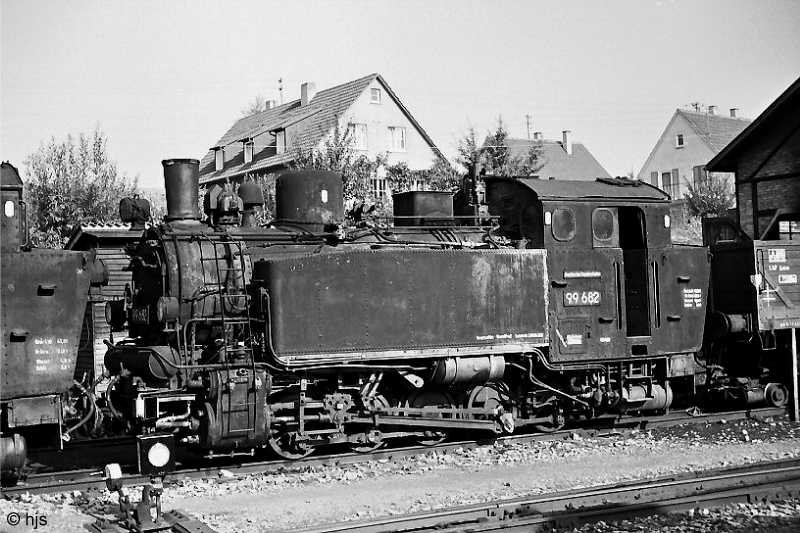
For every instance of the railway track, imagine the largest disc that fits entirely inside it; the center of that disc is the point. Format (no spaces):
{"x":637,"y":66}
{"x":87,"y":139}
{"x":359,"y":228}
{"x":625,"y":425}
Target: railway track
{"x":569,"y":509}
{"x":81,"y":479}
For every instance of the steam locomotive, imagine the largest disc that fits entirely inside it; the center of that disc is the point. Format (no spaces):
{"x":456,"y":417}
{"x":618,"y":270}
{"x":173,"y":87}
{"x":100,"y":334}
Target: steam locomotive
{"x":569,"y":301}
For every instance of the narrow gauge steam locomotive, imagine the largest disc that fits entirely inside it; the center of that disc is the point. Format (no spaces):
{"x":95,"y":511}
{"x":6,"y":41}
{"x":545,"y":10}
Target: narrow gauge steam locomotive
{"x":306,"y":333}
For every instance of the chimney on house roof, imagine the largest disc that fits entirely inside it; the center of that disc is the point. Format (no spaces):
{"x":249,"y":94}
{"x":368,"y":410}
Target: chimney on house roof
{"x":307,"y":92}
{"x":567,"y":141}
{"x":537,"y":135}
{"x":712,"y":110}
{"x":733,"y":111}
{"x":269,"y":104}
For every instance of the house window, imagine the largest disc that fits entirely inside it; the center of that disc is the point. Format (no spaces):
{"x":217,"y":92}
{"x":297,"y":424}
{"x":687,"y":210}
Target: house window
{"x":378,"y":187}
{"x":219,"y":158}
{"x":676,"y":184}
{"x":375,"y":96}
{"x":358,"y":135}
{"x":280,"y":141}
{"x":666,"y":182}
{"x":398,"y":139}
{"x":248,"y":151}
{"x":679,"y":140}
{"x":654,"y":178}
{"x":699,"y":175}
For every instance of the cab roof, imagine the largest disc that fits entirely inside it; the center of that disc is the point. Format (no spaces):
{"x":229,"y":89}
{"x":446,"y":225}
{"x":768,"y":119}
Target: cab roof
{"x":616,"y":189}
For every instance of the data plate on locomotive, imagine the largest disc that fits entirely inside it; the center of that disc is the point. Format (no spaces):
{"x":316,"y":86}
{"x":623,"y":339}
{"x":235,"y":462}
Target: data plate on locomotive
{"x":580,"y":298}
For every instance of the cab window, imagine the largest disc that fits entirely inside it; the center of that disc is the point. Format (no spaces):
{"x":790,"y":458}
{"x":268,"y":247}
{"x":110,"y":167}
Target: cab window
{"x":563,"y":224}
{"x":605,"y":228}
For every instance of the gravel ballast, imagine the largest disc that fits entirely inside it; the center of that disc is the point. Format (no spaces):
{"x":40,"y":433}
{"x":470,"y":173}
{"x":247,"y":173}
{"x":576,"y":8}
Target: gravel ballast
{"x":315,"y":495}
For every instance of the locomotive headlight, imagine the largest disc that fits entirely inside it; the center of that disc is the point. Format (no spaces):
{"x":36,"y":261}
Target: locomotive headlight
{"x":158,"y":455}
{"x":167,"y":309}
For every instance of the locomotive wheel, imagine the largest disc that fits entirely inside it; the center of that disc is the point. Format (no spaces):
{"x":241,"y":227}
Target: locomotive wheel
{"x":550,"y":409}
{"x":285,"y":446}
{"x":488,"y":398}
{"x":377,"y":441}
{"x":430,"y":398}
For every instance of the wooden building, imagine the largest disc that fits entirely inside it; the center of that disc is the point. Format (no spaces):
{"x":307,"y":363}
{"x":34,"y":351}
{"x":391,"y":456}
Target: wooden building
{"x":765,"y":158}
{"x":109,"y":242}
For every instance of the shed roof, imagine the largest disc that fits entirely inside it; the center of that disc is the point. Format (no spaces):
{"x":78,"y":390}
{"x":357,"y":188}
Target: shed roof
{"x":786,"y":105}
{"x":83,"y":236}
{"x":579,"y":165}
{"x":614,"y":189}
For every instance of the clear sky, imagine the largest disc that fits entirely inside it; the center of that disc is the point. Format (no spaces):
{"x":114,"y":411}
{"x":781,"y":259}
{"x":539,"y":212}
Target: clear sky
{"x":166,"y":79}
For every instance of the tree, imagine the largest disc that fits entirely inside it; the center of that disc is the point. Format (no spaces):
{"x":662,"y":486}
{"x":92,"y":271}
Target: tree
{"x":441,"y":176}
{"x":72,"y":181}
{"x":257,"y":105}
{"x":338,"y":155}
{"x":708,"y":197}
{"x":499,"y":160}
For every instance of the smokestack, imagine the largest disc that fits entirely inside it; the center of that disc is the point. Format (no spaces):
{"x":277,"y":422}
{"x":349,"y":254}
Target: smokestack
{"x":712,"y":110}
{"x":537,"y":135}
{"x":567,"y":141}
{"x":307,"y":92}
{"x":182,"y":184}
{"x":733,"y":111}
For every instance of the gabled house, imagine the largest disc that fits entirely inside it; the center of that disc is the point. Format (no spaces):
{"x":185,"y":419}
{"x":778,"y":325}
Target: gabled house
{"x":689,"y":141}
{"x":377,"y":122}
{"x":561,"y":160}
{"x":765,"y":159}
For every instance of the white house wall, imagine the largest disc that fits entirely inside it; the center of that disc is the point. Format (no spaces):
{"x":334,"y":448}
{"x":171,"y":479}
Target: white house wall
{"x":666,"y":156}
{"x":378,"y":118}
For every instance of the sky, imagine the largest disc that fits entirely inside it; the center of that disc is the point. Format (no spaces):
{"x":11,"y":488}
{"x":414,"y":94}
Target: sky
{"x":167,"y":79}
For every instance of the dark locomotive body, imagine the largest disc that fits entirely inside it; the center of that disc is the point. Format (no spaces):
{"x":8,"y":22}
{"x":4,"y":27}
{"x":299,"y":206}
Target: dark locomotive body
{"x":570,"y":301}
{"x":44,"y":293}
{"x":567,"y":302}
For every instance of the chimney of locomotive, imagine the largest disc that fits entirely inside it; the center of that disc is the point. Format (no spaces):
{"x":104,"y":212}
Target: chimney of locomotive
{"x":182,"y":184}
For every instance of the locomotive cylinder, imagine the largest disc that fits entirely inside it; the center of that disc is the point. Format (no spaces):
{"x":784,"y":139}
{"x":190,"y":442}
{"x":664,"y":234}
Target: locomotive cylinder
{"x":156,"y":363}
{"x":182,"y":185}
{"x":468,"y":370}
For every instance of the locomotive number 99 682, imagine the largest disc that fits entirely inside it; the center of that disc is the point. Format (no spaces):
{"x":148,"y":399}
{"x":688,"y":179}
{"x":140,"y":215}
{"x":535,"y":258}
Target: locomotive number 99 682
{"x":575,"y":298}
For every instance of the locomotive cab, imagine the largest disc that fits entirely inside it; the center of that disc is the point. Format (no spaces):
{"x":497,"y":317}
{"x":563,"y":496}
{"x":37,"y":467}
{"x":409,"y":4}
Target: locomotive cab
{"x":620,"y":291}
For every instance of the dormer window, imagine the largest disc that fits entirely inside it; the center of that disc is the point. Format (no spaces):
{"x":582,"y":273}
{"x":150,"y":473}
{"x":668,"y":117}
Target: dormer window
{"x":679,"y":140}
{"x":375,"y":96}
{"x":248,"y":150}
{"x":219,"y":158}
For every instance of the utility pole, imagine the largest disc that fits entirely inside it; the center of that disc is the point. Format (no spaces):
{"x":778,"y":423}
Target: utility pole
{"x":528,"y":125}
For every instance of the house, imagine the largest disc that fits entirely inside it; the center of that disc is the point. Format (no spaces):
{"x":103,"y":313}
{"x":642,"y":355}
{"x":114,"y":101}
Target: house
{"x":689,"y":141}
{"x":561,"y":160}
{"x":765,"y":159}
{"x":377,"y":121}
